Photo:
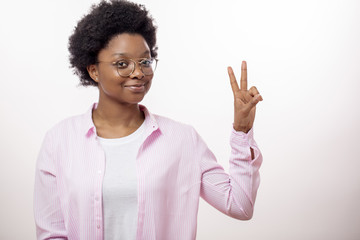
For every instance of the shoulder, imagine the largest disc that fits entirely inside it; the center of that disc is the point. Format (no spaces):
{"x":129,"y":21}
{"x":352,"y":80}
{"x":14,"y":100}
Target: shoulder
{"x":175,"y":129}
{"x":166,"y":123}
{"x":167,"y":126}
{"x":68,"y":126}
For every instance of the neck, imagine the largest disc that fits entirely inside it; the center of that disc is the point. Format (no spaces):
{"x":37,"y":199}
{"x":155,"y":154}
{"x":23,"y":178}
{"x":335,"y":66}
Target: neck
{"x":114,"y":114}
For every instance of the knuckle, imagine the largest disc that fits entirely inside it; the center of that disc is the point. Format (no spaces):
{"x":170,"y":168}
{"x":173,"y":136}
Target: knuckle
{"x":254,"y":90}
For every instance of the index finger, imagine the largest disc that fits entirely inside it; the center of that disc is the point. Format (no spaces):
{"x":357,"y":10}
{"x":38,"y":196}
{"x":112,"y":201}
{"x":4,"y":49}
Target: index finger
{"x":234,"y":84}
{"x":243,"y":81}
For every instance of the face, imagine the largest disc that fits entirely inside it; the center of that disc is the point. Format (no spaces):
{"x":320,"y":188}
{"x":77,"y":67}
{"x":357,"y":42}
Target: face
{"x":113,"y":86}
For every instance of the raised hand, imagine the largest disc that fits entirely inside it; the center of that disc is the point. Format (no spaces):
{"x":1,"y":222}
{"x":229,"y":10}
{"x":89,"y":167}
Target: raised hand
{"x":244,"y":100}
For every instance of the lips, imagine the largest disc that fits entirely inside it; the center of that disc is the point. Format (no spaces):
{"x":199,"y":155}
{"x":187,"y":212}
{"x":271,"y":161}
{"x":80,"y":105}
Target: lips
{"x":136,"y":85}
{"x":136,"y":88}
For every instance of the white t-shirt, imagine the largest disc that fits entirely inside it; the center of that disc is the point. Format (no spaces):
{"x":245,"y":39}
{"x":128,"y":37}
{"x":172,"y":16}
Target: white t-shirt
{"x":120,"y":203}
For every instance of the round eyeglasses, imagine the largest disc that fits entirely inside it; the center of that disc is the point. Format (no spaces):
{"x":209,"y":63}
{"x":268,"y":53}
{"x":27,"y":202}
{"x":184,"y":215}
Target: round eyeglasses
{"x":126,"y":67}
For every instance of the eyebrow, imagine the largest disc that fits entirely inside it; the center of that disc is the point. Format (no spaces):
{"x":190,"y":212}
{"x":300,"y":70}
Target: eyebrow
{"x":126,"y":54}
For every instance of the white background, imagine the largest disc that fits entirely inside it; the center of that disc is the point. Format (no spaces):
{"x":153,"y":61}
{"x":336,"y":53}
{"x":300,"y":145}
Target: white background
{"x":303,"y":56}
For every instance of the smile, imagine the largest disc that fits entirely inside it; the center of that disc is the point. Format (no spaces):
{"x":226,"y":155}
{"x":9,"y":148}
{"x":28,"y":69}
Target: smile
{"x":136,"y":88}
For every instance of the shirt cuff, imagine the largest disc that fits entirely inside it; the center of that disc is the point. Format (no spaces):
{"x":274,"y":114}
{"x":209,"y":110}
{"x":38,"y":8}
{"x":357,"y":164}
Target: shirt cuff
{"x":241,"y":138}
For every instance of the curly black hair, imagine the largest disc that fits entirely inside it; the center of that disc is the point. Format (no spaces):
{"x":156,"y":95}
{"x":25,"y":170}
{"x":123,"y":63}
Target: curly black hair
{"x":104,"y":21}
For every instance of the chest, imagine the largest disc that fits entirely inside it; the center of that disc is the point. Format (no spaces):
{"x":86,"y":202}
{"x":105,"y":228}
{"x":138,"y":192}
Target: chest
{"x":160,"y":168}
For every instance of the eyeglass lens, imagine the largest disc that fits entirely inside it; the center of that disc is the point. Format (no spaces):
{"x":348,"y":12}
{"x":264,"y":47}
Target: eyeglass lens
{"x":126,"y":67}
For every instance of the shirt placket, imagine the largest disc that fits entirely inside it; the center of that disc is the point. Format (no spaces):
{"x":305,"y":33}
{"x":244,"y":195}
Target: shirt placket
{"x":151,"y":127}
{"x":99,"y":176}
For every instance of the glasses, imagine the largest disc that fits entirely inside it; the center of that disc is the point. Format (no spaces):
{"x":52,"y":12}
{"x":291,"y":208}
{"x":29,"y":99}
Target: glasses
{"x":126,"y":67}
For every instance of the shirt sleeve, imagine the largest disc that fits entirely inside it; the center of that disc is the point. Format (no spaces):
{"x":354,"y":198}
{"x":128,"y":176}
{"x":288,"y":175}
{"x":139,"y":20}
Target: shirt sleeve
{"x":233,"y":194}
{"x":47,"y":211}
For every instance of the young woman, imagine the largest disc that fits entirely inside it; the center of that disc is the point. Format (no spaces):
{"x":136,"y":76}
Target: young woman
{"x":120,"y":172}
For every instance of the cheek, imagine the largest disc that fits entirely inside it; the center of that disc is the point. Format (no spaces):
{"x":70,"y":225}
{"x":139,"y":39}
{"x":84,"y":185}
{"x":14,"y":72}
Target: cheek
{"x":148,"y":85}
{"x":109,"y":75}
{"x":111,"y":84}
{"x":112,"y":81}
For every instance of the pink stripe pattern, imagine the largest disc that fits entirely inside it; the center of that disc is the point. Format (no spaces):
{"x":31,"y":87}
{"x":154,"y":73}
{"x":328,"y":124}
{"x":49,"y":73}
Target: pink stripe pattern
{"x":174,"y":166}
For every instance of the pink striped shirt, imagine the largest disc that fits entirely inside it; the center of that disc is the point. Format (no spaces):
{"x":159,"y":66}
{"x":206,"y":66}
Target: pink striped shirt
{"x":174,"y":168}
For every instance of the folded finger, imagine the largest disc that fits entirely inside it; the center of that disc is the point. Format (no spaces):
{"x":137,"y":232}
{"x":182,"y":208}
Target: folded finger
{"x":255,"y":100}
{"x":253,"y":91}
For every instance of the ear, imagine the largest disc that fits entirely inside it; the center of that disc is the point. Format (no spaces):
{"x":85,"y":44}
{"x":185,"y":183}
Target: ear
{"x":93,"y":72}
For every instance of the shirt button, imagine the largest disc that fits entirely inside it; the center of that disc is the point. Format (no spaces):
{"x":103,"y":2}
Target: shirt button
{"x":98,"y":226}
{"x":97,"y":198}
{"x":99,"y":172}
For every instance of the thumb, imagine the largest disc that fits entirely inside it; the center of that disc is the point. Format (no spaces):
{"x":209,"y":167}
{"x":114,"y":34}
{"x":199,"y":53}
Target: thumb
{"x":252,"y":103}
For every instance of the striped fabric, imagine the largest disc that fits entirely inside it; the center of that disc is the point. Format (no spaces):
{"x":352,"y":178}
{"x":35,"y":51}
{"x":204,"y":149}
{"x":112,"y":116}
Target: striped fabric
{"x":174,"y":167}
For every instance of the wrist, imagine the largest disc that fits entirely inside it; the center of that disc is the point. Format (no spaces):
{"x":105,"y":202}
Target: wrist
{"x":241,"y":128}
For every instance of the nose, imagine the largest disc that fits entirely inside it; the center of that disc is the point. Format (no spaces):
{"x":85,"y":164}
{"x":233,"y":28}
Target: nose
{"x":137,"y":73}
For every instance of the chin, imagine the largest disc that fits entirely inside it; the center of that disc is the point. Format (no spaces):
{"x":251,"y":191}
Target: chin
{"x":136,"y":100}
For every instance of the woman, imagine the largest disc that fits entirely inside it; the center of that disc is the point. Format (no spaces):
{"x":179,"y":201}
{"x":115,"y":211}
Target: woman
{"x":121,"y":172}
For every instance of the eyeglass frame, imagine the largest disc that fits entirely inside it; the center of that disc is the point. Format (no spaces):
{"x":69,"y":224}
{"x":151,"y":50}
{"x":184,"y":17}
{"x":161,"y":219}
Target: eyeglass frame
{"x":135,"y":62}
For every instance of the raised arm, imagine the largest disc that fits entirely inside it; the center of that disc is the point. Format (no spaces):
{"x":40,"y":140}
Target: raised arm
{"x":234,"y":194}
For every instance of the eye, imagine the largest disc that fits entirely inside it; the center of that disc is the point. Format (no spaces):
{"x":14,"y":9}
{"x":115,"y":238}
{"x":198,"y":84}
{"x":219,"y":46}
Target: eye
{"x":122,"y":64}
{"x":146,"y":62}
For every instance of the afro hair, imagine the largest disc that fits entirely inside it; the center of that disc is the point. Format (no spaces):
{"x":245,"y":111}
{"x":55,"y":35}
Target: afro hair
{"x":104,"y":21}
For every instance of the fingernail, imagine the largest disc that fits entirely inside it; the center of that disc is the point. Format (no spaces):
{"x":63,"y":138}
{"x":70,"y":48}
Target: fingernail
{"x":243,"y":65}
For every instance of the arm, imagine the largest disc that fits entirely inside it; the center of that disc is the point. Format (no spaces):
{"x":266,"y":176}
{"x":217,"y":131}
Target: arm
{"x":233,"y":194}
{"x":47,"y":213}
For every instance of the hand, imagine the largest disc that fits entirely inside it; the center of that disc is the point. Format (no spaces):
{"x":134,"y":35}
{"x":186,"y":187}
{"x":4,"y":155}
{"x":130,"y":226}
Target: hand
{"x":244,"y":100}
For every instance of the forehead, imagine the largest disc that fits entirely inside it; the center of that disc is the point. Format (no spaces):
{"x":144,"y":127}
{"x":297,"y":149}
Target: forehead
{"x":125,"y":44}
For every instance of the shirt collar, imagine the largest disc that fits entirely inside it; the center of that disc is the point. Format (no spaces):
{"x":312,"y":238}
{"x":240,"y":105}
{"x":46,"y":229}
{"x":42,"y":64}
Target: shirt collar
{"x":90,"y":129}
